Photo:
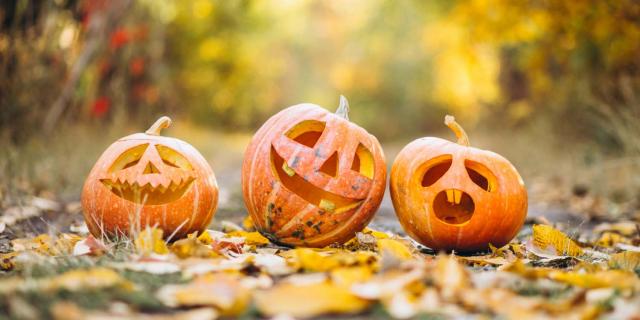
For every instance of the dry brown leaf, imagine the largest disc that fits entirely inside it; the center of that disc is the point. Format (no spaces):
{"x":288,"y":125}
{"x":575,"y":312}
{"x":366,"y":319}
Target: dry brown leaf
{"x":150,"y":241}
{"x":547,"y":238}
{"x":305,"y":301}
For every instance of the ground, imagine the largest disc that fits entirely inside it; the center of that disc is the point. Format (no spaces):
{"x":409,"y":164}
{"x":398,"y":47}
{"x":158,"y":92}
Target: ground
{"x":578,"y":255}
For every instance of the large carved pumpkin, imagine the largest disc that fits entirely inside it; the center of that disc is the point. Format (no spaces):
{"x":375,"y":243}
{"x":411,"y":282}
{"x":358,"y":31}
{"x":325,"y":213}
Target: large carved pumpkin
{"x":451,"y":196}
{"x":311,"y":177}
{"x":149,"y":180}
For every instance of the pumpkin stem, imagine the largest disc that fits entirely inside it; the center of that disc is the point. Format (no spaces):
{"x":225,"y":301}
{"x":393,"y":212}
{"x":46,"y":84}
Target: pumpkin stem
{"x":162,"y":123}
{"x":343,"y":108}
{"x":463,"y":139}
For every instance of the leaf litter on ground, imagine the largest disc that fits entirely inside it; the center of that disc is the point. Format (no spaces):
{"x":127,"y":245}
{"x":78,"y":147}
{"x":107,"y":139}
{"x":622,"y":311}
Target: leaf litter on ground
{"x":544,"y":273}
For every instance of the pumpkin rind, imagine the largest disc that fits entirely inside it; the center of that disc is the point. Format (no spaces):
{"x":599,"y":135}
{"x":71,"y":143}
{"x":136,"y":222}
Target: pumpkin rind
{"x":497,"y":216}
{"x":194,"y":191}
{"x":328,"y":204}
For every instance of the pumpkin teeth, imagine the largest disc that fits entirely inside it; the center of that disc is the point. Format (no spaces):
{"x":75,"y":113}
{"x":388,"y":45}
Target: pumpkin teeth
{"x":457,"y":195}
{"x":450,"y":195}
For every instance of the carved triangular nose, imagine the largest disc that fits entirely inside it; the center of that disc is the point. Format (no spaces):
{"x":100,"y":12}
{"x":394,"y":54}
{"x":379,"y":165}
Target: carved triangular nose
{"x":150,"y":168}
{"x":330,"y":166}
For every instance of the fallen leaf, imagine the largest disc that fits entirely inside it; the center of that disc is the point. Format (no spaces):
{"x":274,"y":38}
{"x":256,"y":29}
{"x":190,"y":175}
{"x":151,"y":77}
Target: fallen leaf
{"x":150,"y":241}
{"x":85,"y":279}
{"x":395,"y":248}
{"x":602,"y":279}
{"x":192,"y":246}
{"x":222,"y":291}
{"x":628,"y":260}
{"x":252,"y":238}
{"x":547,"y":238}
{"x":6,"y":260}
{"x":347,"y":276}
{"x":89,"y":246}
{"x":2,"y":226}
{"x":315,"y":260}
{"x":305,"y":301}
{"x":450,"y":276}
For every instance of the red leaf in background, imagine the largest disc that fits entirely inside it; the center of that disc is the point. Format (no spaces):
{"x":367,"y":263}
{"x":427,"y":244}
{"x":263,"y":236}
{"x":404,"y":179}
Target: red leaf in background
{"x":100,"y":107}
{"x":119,"y":37}
{"x":136,"y":66}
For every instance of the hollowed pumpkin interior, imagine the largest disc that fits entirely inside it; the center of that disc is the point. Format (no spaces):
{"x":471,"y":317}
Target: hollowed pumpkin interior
{"x":481,"y":175}
{"x":453,"y":212}
{"x":309,"y":192}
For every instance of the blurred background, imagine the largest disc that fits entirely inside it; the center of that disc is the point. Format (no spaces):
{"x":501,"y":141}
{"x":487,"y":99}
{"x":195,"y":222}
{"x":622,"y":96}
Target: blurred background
{"x":552,"y":85}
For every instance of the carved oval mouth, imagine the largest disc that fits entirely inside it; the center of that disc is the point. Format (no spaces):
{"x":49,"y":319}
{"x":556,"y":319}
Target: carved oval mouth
{"x":453,"y":206}
{"x":147,"y":194}
{"x":319,"y":197}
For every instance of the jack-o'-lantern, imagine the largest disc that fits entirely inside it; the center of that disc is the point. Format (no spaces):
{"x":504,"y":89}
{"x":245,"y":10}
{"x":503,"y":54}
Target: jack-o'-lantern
{"x":311,"y":177}
{"x":145,"y":179}
{"x":450,"y":196}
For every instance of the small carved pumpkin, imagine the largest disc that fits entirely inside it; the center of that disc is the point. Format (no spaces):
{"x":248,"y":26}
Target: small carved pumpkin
{"x":149,"y":180}
{"x":451,"y":196}
{"x":311,"y":177}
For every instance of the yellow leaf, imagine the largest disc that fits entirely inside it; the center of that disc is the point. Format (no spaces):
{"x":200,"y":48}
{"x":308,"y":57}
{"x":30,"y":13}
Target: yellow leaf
{"x":6,"y":260}
{"x":395,"y":248}
{"x":518,"y":267}
{"x":545,"y":236}
{"x":251,"y":238}
{"x":150,"y":241}
{"x":315,"y":260}
{"x":304,"y":301}
{"x":628,"y":260}
{"x":610,"y":239}
{"x":192,"y":247}
{"x":247,"y":224}
{"x":450,"y":276}
{"x":375,"y":233}
{"x":600,"y":279}
{"x":85,"y":279}
{"x":205,"y":238}
{"x":346,"y":276}
{"x":223,"y":291}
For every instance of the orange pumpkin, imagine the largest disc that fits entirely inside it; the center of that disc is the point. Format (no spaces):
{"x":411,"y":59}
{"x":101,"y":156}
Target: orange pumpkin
{"x":311,"y":177}
{"x":145,"y":179}
{"x":450,"y":196}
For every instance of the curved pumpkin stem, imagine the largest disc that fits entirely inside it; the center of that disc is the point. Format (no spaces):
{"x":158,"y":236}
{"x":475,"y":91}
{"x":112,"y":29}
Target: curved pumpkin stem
{"x":162,"y":123}
{"x":343,"y":108}
{"x":463,"y":139}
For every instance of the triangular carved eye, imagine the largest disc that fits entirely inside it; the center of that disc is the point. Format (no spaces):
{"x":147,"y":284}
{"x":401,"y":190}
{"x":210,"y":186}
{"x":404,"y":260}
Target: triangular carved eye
{"x":363,"y":161}
{"x":307,"y":132}
{"x":481,"y":175}
{"x":436,"y":168}
{"x":128,"y":158}
{"x":173,"y":158}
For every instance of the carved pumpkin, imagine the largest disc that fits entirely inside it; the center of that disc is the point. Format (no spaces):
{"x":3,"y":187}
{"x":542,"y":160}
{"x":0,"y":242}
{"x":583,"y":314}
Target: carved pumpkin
{"x":450,"y":196}
{"x":311,"y":177}
{"x":149,"y":180}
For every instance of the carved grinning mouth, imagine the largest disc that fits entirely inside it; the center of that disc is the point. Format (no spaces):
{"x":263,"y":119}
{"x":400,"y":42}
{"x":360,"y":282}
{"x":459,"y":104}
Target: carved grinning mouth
{"x":317,"y":196}
{"x":148,"y":194}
